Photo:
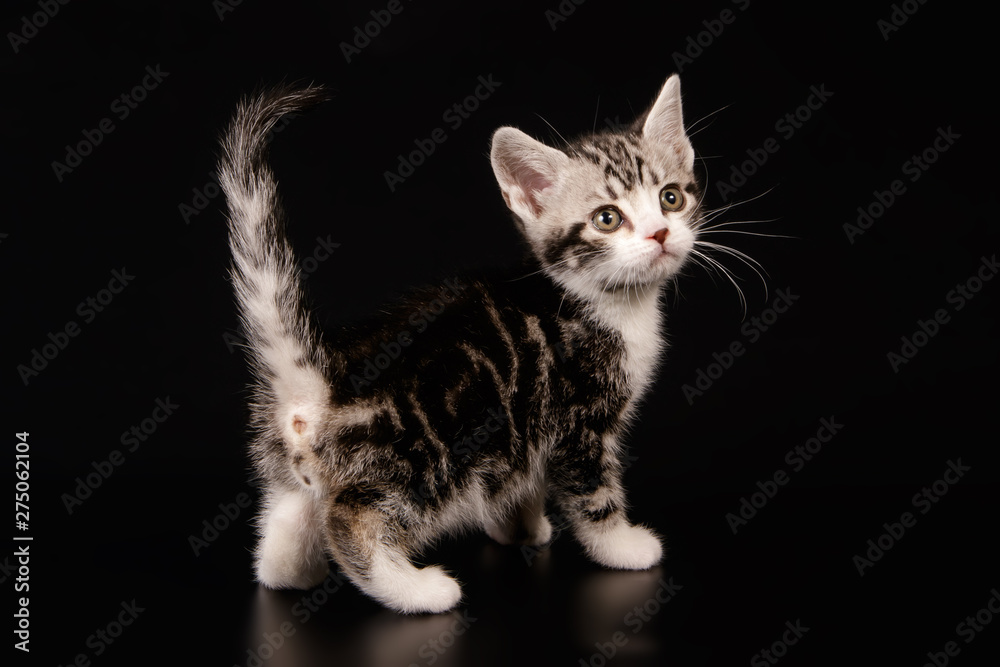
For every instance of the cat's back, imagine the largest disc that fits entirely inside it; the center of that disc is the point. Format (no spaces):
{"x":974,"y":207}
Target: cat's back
{"x":441,"y":364}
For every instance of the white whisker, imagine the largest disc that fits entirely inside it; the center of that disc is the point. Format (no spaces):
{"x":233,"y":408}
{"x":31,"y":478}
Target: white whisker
{"x":691,"y":131}
{"x":727,"y":273}
{"x":560,"y":263}
{"x":743,"y":257}
{"x":713,"y":230}
{"x":551,"y":127}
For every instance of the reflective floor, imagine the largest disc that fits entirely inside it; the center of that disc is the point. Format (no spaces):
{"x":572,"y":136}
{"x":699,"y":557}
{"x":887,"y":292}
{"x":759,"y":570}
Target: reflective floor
{"x":787,"y":589}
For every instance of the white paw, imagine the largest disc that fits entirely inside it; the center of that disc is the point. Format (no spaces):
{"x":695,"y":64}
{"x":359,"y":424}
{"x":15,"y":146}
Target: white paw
{"x":625,"y":547}
{"x":427,"y":590}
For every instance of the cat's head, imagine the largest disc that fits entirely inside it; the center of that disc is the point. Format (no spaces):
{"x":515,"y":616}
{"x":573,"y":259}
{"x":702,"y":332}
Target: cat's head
{"x":609,"y":211}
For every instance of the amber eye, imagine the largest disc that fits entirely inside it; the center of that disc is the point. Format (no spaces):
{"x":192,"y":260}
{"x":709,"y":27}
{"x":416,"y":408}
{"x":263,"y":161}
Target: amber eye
{"x":607,"y":220}
{"x":671,"y":199}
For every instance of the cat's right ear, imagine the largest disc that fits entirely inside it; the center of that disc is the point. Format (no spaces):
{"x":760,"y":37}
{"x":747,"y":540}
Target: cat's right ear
{"x":527,"y":170}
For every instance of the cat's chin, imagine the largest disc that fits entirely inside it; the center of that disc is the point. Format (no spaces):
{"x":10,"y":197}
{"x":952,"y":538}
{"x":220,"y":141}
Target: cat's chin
{"x":647,"y":275}
{"x":669,"y":262}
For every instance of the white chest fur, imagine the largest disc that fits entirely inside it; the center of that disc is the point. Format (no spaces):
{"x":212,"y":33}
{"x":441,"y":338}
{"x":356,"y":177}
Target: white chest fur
{"x":638,"y":318}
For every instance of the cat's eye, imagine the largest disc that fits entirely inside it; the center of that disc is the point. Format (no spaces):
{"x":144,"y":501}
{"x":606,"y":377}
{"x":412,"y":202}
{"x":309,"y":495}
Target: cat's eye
{"x":607,"y":219}
{"x":671,"y":199}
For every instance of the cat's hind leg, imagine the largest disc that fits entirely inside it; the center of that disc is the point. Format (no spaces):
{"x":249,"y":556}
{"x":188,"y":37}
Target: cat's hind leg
{"x":527,"y":524}
{"x":371,"y":549}
{"x":291,"y":552}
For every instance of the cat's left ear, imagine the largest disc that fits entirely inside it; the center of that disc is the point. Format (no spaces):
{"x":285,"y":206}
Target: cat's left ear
{"x":664,"y":122}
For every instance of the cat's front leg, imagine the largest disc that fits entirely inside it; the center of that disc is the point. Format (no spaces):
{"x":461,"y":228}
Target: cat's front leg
{"x":617,"y":544}
{"x":587,"y":481}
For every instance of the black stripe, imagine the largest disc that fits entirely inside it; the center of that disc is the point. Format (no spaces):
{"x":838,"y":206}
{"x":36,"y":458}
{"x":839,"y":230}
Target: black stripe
{"x":572,"y":237}
{"x":600,"y":514}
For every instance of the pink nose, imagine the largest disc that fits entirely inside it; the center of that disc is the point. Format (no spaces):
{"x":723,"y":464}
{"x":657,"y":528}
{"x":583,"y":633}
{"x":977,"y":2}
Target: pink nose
{"x":660,"y":235}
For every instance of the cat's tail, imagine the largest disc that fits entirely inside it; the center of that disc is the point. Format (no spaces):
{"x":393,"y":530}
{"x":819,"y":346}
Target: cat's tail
{"x":288,"y":359}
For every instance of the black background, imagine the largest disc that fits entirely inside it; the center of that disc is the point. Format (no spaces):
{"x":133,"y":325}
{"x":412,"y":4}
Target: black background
{"x":165,"y":334}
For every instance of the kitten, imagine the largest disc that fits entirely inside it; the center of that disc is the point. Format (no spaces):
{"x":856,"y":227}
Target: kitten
{"x":519,"y":390}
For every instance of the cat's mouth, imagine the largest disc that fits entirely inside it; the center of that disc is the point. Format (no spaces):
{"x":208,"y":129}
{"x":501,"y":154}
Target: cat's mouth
{"x":668,"y":253}
{"x":668,"y":260}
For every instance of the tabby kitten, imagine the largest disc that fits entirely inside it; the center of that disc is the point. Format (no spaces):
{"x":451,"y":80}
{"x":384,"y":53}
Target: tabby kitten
{"x":520,"y":390}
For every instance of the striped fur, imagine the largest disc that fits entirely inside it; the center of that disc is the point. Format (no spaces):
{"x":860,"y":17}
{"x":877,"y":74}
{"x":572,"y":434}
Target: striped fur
{"x":469,"y":404}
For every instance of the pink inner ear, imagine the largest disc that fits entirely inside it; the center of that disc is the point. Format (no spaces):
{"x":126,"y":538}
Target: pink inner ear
{"x":537,"y":181}
{"x":532,"y":183}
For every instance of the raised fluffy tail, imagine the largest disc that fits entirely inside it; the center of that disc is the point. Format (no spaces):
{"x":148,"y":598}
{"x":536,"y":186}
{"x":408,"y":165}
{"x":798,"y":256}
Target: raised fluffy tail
{"x":289,"y":362}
